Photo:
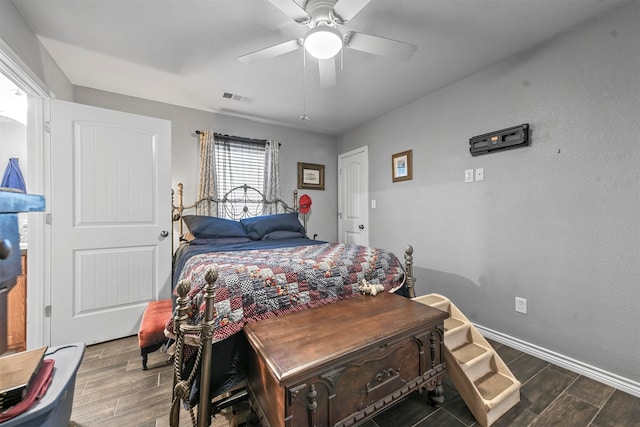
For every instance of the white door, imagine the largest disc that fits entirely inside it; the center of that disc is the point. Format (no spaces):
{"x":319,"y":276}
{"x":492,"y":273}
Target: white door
{"x":353,"y":197}
{"x":110,"y":199}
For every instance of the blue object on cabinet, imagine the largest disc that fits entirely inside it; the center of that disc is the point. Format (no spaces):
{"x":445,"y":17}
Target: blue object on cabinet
{"x":13,"y":176}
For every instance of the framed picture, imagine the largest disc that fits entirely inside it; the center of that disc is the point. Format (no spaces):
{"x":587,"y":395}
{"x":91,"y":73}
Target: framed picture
{"x":310,"y":176}
{"x":401,"y":166}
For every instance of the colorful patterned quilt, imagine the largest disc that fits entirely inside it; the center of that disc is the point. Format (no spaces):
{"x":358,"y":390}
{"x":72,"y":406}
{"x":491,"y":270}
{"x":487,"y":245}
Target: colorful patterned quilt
{"x":258,"y":284}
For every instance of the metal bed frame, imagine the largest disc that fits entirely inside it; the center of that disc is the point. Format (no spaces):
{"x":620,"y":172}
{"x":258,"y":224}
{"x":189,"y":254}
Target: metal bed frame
{"x":240,"y":202}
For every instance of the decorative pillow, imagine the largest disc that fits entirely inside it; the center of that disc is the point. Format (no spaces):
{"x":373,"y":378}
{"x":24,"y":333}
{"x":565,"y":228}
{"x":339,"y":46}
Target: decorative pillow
{"x":219,"y":240}
{"x":211,"y":226}
{"x":284,"y":234}
{"x":257,"y":227}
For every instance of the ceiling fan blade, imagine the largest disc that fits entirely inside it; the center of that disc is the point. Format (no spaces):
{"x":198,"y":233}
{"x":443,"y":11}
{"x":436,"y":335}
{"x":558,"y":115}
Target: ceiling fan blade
{"x":345,"y":10}
{"x":379,"y":45}
{"x":327,"y":69}
{"x":292,"y":10}
{"x":270,"y":52}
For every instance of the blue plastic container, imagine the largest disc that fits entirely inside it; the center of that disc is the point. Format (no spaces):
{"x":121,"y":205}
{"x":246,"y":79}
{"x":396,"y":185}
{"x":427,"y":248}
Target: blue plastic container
{"x":54,"y":409}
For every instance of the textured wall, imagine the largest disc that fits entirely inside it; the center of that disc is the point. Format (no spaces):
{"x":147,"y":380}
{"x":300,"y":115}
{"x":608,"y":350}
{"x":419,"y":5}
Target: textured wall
{"x":557,"y":223}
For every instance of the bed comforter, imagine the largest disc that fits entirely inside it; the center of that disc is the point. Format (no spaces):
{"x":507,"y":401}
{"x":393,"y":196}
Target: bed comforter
{"x":262,"y":283}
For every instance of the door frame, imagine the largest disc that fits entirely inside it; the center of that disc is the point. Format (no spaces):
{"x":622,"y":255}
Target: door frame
{"x":38,"y":95}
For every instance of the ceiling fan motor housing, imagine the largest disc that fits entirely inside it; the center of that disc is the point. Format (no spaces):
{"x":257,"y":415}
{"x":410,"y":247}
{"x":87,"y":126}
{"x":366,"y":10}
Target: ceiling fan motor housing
{"x":320,"y":11}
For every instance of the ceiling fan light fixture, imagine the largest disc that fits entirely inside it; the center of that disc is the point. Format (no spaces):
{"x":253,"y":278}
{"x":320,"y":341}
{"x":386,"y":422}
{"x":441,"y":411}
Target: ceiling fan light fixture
{"x":323,"y":41}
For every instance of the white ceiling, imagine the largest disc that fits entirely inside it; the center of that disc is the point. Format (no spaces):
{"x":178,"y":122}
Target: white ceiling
{"x":184,"y":52}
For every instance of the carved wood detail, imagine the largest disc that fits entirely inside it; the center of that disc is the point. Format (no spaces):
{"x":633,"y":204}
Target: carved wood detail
{"x":382,"y":378}
{"x":332,"y":377}
{"x":312,"y":405}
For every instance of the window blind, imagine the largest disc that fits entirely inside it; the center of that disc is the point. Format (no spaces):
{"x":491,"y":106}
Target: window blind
{"x":239,"y":163}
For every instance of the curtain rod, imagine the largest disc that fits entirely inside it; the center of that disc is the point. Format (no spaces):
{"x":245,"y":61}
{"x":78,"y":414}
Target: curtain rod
{"x":239,"y":138}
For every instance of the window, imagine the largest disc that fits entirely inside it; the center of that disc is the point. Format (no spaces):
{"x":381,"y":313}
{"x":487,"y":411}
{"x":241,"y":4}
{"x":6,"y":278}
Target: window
{"x":238,"y":163}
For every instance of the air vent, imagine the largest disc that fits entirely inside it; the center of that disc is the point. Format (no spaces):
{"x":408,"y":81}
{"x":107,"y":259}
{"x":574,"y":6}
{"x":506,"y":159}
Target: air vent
{"x":236,"y":97}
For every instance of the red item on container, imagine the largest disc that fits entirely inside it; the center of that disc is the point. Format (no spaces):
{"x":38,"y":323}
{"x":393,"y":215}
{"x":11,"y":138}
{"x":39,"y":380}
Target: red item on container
{"x":35,"y":392}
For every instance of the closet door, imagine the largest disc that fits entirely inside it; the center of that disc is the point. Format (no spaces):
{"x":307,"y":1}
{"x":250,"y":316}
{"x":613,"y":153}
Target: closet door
{"x":109,"y":205}
{"x":353,"y":197}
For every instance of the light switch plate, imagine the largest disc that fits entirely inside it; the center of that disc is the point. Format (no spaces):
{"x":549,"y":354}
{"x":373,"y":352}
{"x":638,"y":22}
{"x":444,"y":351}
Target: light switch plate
{"x":468,"y":175}
{"x":480,"y":174}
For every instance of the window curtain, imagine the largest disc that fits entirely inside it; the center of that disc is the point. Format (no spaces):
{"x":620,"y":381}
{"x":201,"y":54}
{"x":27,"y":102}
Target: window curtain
{"x":272,"y":175}
{"x":208,"y":187}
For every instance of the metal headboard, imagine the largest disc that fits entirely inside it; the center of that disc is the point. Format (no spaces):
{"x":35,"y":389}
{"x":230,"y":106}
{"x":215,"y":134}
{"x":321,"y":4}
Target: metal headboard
{"x":240,"y":202}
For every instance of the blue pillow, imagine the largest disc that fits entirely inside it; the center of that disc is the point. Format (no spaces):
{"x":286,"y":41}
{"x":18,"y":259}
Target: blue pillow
{"x":212,"y":226}
{"x":283,"y":234}
{"x":257,"y":227}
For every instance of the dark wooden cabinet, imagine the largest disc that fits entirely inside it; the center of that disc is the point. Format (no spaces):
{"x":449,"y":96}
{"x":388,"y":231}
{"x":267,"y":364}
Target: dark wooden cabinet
{"x":340,"y":364}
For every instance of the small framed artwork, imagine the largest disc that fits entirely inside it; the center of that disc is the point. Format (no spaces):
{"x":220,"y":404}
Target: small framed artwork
{"x":401,"y":166}
{"x":310,"y":176}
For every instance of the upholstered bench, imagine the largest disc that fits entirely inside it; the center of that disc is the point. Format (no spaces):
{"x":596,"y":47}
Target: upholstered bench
{"x":151,"y":334}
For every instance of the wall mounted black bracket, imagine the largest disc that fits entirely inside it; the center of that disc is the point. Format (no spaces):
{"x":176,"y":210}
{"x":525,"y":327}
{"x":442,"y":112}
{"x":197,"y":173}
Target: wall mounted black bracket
{"x":505,"y":139}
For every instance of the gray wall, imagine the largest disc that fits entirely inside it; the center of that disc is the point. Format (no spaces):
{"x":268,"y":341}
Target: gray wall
{"x":297,"y":146}
{"x":557,"y":223}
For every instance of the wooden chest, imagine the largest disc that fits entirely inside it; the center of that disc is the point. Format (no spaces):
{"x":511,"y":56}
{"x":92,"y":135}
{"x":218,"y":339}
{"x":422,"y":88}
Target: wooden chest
{"x":341,"y":364}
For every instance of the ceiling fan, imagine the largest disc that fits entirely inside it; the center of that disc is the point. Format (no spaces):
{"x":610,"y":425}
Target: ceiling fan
{"x":324,"y":40}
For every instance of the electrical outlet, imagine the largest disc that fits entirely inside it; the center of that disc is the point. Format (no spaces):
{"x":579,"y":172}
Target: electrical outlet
{"x":521,"y":305}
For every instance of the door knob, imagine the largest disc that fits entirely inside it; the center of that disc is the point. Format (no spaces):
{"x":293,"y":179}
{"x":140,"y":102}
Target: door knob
{"x":164,"y":233}
{"x":361,"y":227}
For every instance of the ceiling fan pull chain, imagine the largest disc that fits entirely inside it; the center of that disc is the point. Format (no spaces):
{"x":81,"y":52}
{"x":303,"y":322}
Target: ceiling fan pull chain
{"x":304,"y":116}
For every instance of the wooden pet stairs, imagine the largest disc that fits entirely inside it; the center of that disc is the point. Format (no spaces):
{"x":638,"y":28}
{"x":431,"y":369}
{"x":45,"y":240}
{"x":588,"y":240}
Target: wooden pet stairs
{"x":481,"y":377}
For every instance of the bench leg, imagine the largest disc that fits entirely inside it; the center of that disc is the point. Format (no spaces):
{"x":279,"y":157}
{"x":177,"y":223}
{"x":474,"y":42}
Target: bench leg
{"x":144,"y":351}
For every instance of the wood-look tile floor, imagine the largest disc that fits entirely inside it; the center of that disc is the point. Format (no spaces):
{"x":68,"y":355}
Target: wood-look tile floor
{"x":113,"y":390}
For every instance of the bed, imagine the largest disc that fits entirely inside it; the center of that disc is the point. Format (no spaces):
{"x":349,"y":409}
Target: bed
{"x":228,"y":272}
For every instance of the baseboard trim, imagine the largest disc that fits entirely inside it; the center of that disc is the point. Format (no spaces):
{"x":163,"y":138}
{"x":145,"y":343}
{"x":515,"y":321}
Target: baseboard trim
{"x":597,"y":374}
